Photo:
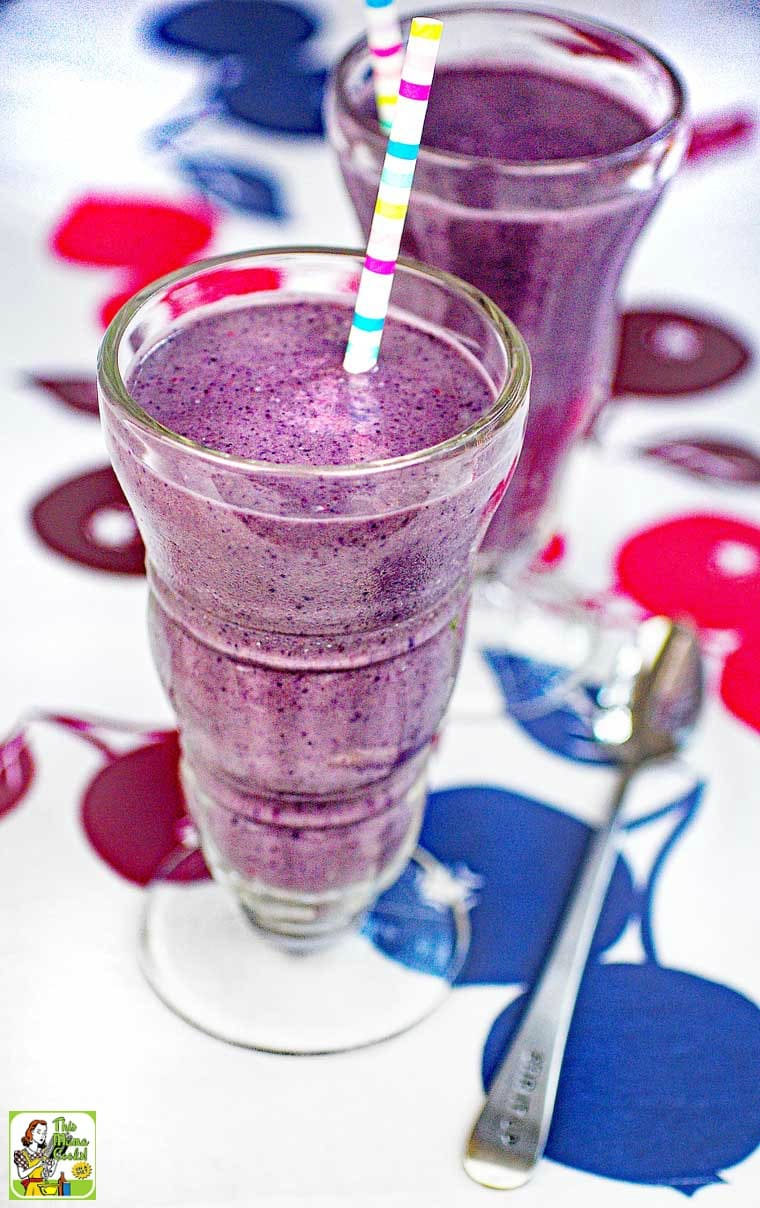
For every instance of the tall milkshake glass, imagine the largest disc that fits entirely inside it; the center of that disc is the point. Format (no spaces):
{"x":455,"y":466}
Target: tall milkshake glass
{"x":306,"y":620}
{"x":548,"y":142}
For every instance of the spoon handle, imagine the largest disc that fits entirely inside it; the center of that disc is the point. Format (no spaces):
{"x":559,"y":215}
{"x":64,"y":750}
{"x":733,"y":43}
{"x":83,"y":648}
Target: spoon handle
{"x":509,"y":1136}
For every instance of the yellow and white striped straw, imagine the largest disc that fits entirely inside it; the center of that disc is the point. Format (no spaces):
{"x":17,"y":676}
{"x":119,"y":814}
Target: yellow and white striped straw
{"x":393,"y":196}
{"x":386,"y":45}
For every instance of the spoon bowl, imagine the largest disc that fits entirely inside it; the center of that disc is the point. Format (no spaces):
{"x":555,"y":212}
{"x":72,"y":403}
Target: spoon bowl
{"x":652,"y":701}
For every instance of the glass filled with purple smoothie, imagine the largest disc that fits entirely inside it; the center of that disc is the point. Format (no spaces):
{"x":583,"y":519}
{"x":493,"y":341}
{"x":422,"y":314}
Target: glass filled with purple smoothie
{"x":547,"y":144}
{"x":310,"y":542}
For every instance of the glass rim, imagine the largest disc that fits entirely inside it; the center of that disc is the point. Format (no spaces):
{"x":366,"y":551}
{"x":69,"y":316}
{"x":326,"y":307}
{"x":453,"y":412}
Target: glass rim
{"x":521,"y":167}
{"x":505,"y":406}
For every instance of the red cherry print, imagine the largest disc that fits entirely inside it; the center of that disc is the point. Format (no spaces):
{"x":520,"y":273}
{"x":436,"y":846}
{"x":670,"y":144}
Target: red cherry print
{"x":669,"y":353}
{"x":88,"y":520}
{"x":705,"y":567}
{"x":144,"y":237}
{"x":132,"y":810}
{"x":707,"y":458}
{"x":78,"y":393}
{"x":496,"y":496}
{"x":16,"y":772}
{"x":147,"y":234}
{"x":220,"y":283}
{"x":113,"y":305}
{"x":740,"y":682}
{"x":553,"y":552}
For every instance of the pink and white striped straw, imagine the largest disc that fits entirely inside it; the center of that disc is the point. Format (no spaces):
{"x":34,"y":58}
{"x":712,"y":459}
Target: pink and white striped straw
{"x":396,"y":179}
{"x":386,"y":45}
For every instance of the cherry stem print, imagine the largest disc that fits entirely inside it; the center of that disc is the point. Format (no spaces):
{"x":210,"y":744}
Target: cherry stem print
{"x":89,"y":729}
{"x":16,"y":771}
{"x":687,"y":808}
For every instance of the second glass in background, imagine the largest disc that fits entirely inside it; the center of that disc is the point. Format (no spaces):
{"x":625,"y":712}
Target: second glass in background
{"x":548,"y":142}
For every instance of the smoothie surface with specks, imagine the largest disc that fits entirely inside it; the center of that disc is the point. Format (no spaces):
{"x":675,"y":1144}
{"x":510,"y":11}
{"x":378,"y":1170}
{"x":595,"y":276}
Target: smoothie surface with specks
{"x":532,"y":115}
{"x":268,"y":383}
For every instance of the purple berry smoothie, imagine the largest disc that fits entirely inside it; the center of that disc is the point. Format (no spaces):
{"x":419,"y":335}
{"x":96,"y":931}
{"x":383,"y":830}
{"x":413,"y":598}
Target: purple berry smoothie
{"x":554,"y":273}
{"x":307,"y":637}
{"x":537,"y":216}
{"x":268,"y":383}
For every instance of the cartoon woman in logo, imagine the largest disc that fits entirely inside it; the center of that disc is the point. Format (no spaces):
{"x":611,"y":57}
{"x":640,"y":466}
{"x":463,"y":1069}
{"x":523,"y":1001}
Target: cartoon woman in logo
{"x":33,"y":1162}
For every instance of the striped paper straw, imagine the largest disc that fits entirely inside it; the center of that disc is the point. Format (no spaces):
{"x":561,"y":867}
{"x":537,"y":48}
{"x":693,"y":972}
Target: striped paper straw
{"x":384,"y":241}
{"x":386,"y":44}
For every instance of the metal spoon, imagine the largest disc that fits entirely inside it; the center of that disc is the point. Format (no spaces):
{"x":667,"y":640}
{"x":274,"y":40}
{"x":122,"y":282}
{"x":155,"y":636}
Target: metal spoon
{"x":647,"y":711}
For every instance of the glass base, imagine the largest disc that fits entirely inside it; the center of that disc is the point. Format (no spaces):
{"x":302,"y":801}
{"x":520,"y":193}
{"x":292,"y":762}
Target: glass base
{"x":208,"y":963}
{"x":330,"y":897}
